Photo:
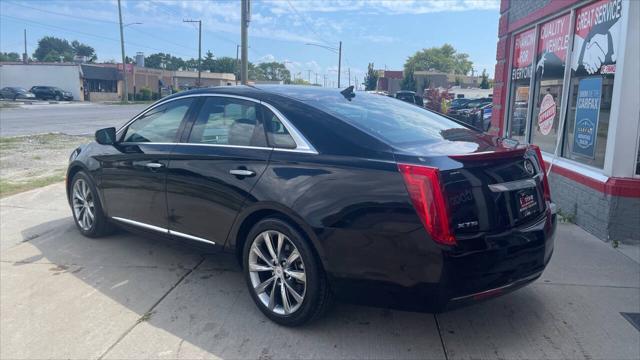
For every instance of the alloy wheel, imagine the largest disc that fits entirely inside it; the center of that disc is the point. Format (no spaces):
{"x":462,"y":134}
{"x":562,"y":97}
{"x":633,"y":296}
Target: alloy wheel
{"x":277,"y":272}
{"x":83,"y":205}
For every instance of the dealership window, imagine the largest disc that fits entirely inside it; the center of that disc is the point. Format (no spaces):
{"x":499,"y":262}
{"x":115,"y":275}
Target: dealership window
{"x":593,"y":69}
{"x":553,"y":39}
{"x":523,"y":54}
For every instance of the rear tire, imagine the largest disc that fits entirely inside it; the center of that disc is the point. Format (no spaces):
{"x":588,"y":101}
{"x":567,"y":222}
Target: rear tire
{"x":298,"y":291}
{"x":58,"y":98}
{"x":87,"y":210}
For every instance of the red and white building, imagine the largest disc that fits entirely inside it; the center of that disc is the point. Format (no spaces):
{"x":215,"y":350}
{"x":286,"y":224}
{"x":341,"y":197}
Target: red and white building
{"x":567,"y":79}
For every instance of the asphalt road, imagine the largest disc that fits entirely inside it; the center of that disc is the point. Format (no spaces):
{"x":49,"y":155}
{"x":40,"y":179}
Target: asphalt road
{"x":131,"y":297}
{"x":72,"y":119}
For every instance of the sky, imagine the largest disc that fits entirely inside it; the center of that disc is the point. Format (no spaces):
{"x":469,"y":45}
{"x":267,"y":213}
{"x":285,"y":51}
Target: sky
{"x":385,"y":32}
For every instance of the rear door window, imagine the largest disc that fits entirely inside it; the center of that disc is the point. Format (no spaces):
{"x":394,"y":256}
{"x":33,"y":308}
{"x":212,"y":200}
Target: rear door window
{"x":277,"y":133}
{"x":396,"y":122}
{"x":228,"y":121}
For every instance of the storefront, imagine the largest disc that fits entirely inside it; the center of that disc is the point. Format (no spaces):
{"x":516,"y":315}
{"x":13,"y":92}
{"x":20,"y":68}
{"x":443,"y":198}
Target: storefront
{"x":568,"y":80}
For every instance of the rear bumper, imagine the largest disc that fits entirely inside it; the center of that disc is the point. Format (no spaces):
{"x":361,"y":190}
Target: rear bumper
{"x":479,"y":268}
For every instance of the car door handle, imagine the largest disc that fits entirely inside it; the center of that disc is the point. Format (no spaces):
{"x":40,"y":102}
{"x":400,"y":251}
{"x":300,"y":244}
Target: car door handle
{"x":242,"y":172}
{"x":154,"y":165}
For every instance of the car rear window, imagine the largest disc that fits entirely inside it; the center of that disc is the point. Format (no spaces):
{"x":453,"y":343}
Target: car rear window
{"x":394,"y":121}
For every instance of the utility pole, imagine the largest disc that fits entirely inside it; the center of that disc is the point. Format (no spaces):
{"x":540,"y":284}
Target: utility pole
{"x":316,"y":78}
{"x":125,"y":91}
{"x":309,"y":76}
{"x":325,"y":80}
{"x":356,"y":82}
{"x":339,"y":61}
{"x":237,"y":63}
{"x":245,"y":18}
{"x":25,"y":57}
{"x":349,"y":71}
{"x":199,"y":83}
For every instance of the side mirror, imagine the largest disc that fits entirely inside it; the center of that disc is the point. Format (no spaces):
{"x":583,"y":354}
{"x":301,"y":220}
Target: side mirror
{"x":106,"y":136}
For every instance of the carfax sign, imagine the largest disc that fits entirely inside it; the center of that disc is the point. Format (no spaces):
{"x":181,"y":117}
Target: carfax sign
{"x":585,"y":131}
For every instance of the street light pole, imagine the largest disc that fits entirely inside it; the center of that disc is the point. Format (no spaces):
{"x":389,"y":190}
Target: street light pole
{"x":334,"y":50}
{"x":199,"y":83}
{"x":125,"y":91}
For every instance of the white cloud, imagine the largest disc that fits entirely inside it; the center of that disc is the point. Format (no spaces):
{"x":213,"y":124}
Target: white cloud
{"x":378,"y":38}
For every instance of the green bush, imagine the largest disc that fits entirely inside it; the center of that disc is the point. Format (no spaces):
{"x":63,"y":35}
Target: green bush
{"x":145,"y":94}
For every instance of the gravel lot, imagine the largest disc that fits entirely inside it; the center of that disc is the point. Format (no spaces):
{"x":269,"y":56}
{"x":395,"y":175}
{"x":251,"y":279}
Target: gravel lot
{"x":28,"y":162}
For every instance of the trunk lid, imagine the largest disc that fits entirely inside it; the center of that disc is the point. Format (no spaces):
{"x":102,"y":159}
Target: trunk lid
{"x":489,"y":183}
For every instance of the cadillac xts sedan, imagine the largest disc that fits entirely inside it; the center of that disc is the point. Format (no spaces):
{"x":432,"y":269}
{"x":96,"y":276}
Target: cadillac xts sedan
{"x":316,"y":188}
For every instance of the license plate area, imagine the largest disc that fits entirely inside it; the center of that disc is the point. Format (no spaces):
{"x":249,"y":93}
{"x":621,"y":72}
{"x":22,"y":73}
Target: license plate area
{"x":526,"y":203}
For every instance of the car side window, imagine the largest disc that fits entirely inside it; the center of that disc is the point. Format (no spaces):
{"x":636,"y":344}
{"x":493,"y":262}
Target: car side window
{"x":160,"y":124}
{"x":277,"y":133}
{"x":228,"y":121}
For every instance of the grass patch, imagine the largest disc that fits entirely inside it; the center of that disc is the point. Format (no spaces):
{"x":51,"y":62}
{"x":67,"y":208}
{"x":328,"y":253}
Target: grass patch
{"x":9,"y":188}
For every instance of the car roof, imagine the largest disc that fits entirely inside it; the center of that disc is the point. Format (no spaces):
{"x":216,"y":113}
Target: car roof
{"x":296,"y":92}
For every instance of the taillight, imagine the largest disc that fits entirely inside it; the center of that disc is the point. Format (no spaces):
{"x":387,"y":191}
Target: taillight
{"x":427,"y":195}
{"x":545,"y":181}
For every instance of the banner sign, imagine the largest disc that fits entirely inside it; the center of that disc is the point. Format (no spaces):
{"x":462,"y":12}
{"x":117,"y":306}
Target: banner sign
{"x":585,"y":131}
{"x":595,"y":45}
{"x":554,"y":37}
{"x":523,"y":54}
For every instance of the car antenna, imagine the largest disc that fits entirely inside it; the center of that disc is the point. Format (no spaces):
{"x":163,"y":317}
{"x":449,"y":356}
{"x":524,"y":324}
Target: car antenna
{"x":348,"y":93}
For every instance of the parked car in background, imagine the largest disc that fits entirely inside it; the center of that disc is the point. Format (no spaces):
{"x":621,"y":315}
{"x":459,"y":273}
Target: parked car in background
{"x":478,"y":117}
{"x":15,"y":93}
{"x":410,"y":97}
{"x":464,"y":110}
{"x":51,"y":93}
{"x":318,"y":191}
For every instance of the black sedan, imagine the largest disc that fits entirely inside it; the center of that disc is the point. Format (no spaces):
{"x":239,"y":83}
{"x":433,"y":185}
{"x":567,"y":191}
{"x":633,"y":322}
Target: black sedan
{"x":15,"y":93}
{"x":51,"y":93}
{"x":319,"y":191}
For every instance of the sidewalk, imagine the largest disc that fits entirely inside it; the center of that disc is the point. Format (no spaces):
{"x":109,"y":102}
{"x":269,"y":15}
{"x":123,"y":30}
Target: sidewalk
{"x":129,"y":297}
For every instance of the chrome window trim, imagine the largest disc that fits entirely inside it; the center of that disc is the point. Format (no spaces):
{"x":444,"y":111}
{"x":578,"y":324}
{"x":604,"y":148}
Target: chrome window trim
{"x":223,"y":146}
{"x":302,"y":144}
{"x":162,"y":230}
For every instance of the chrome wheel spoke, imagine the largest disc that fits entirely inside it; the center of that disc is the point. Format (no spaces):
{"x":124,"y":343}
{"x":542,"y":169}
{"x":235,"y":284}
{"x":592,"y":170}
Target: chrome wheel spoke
{"x":263,"y":286}
{"x":293,"y":293}
{"x":272,"y":296}
{"x":279,"y":248}
{"x":292,"y":257}
{"x":267,"y":241}
{"x":258,"y":252}
{"x":285,"y":298}
{"x":297,"y":274}
{"x":258,"y":268}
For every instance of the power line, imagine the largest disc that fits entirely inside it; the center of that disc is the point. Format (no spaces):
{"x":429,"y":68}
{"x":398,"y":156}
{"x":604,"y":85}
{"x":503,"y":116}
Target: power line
{"x":155,"y":36}
{"x":82,"y":33}
{"x":307,"y":22}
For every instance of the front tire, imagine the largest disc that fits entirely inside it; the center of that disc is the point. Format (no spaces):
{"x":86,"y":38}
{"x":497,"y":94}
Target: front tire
{"x":87,"y":210}
{"x":283,"y":275}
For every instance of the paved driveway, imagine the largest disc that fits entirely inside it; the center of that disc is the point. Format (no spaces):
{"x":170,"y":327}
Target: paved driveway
{"x":72,"y":119}
{"x":131,"y":297}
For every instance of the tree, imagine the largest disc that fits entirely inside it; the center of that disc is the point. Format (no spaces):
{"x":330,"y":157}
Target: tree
{"x":408,"y":82}
{"x":444,"y":59}
{"x":164,"y":61}
{"x":52,"y":48}
{"x":9,"y":56}
{"x":83,"y":50}
{"x":371,"y":79}
{"x":484,"y":83}
{"x":300,"y":81}
{"x":273,"y":71}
